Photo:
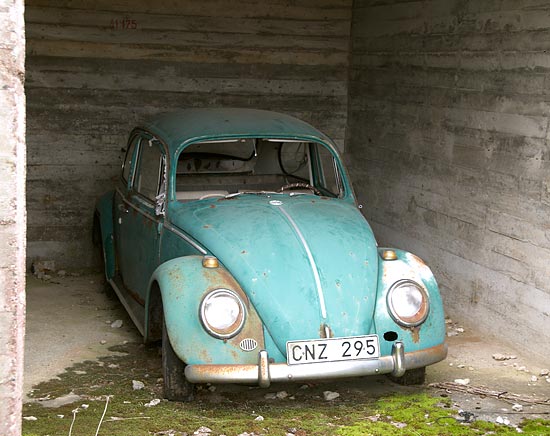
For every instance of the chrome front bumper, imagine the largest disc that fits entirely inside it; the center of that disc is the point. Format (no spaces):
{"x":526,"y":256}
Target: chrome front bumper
{"x":264,"y":373}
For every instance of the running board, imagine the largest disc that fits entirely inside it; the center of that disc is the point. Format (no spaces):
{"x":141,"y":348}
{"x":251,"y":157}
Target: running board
{"x":134,"y":309}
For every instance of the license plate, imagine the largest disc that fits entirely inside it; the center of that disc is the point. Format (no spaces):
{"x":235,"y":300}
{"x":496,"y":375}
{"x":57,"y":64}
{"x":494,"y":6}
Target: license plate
{"x":332,"y":350}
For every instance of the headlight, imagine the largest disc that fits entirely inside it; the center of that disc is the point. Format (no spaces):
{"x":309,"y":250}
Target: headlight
{"x":222,"y":313}
{"x":408,"y":303}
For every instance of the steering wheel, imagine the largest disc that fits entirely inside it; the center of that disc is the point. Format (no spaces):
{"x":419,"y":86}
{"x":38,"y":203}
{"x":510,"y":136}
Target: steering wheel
{"x":300,"y":185}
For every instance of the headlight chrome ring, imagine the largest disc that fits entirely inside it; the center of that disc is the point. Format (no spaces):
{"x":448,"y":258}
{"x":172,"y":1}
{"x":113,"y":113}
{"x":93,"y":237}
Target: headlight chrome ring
{"x":222,"y":313}
{"x":408,"y":303}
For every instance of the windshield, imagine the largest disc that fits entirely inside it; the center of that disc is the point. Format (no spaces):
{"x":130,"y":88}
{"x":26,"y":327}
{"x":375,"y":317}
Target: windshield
{"x":253,"y":165}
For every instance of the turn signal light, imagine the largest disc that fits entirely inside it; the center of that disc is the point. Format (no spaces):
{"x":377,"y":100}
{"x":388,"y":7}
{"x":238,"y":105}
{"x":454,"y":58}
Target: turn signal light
{"x":389,"y":255}
{"x":210,"y":262}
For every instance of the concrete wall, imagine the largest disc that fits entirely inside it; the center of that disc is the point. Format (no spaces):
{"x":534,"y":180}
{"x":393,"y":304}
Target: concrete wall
{"x":12,"y":214}
{"x":95,"y":68}
{"x":448,"y":139}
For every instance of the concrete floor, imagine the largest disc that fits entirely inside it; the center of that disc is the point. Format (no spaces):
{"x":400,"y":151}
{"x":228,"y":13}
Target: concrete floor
{"x":69,"y":321}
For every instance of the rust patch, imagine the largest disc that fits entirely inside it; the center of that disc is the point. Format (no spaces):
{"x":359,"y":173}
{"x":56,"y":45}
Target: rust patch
{"x":204,"y":356}
{"x":417,"y":259}
{"x":415,"y":333}
{"x":206,"y":226}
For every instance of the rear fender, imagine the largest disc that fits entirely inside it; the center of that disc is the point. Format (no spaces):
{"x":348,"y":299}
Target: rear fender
{"x":104,"y":219}
{"x":183,"y":283}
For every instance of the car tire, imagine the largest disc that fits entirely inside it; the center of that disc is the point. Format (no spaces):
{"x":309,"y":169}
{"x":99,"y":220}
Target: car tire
{"x":416,"y":376}
{"x":176,"y":386}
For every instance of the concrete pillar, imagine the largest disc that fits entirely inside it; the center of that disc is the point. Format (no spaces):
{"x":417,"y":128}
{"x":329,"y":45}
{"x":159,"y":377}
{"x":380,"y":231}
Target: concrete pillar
{"x":12,"y":213}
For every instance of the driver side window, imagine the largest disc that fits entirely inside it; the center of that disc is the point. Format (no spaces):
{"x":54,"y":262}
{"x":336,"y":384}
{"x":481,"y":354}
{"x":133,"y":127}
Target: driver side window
{"x":149,"y":172}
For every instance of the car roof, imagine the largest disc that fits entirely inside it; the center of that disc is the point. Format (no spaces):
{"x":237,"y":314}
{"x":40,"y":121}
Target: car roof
{"x":190,"y":125}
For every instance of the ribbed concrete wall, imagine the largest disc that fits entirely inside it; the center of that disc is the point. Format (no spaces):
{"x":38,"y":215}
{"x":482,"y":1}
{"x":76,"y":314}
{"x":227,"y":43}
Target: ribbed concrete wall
{"x":95,"y":68}
{"x":448,"y":140}
{"x":12,"y":214}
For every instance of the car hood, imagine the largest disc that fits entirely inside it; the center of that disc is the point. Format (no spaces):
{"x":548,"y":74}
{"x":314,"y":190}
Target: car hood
{"x":305,"y":262}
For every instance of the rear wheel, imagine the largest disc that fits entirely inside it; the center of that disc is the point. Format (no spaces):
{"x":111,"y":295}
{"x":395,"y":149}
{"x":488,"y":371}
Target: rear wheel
{"x":416,"y":376}
{"x":176,"y":386}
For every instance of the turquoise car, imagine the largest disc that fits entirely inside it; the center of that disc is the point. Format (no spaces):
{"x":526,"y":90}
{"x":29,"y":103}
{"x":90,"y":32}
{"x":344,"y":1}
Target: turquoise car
{"x":233,"y":236}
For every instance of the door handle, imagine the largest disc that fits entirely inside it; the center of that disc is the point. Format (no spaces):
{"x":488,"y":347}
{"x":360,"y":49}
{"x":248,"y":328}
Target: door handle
{"x":122,"y":208}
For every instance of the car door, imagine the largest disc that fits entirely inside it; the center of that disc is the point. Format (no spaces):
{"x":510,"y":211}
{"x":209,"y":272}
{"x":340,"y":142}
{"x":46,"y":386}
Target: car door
{"x":140,"y":217}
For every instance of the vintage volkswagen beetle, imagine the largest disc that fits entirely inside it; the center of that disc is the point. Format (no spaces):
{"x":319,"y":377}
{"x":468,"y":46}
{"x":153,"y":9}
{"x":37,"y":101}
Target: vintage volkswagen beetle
{"x":234,"y":237}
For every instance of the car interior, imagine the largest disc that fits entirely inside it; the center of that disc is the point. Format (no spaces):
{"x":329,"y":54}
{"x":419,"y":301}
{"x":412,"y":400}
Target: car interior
{"x":252,"y":165}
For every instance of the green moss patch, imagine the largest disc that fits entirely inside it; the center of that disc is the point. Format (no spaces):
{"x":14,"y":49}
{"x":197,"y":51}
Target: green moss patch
{"x":238,"y":410}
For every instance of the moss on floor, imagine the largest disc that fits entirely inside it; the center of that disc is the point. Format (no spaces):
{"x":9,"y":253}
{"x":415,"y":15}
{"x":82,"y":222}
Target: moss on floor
{"x":233,"y":412}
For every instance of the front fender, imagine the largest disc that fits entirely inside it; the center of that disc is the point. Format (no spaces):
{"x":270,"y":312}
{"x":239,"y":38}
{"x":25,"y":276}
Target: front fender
{"x":104,"y":214}
{"x":432,"y":331}
{"x":183,"y":283}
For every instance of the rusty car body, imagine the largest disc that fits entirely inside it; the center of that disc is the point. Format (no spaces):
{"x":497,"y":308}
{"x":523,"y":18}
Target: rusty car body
{"x":234,"y":237}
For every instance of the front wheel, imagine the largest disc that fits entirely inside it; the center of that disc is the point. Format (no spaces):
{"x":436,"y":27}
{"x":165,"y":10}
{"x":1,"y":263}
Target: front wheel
{"x":176,"y":386}
{"x":416,"y":376}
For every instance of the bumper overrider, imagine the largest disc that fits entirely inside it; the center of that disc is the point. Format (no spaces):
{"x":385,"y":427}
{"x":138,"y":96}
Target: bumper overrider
{"x":264,"y":373}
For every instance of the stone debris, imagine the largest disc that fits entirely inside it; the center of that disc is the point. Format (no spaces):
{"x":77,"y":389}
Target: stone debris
{"x":78,"y":372}
{"x":170,"y":433}
{"x":112,"y":365}
{"x":281,"y":395}
{"x":462,"y":381}
{"x":61,"y":273}
{"x":137,"y":385}
{"x":85,"y":406}
{"x":461,"y":366}
{"x":544,"y":372}
{"x":548,"y":379}
{"x":329,"y":395}
{"x":534,"y":378}
{"x":212,"y":388}
{"x":61,"y":416}
{"x":103,"y":342}
{"x":54,"y":403}
{"x":500,"y":357}
{"x":117,"y":324}
{"x":30,"y":418}
{"x":517,"y":408}
{"x":502,"y":420}
{"x":202,"y":431}
{"x":399,"y":424}
{"x":42,"y":269}
{"x":153,"y":403}
{"x":270,"y":396}
{"x":259,"y":418}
